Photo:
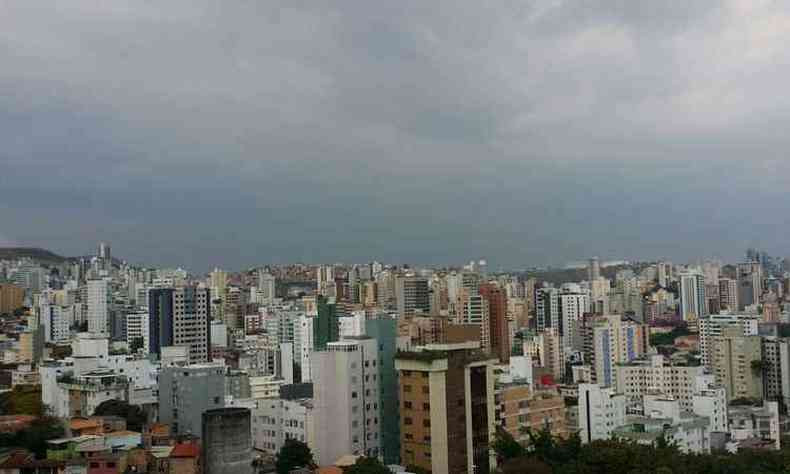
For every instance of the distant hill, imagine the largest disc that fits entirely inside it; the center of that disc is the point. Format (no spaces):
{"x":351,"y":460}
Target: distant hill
{"x":41,"y":255}
{"x":565,"y":275}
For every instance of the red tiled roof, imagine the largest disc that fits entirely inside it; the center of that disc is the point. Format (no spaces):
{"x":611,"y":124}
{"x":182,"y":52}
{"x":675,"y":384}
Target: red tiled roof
{"x":185,"y":450}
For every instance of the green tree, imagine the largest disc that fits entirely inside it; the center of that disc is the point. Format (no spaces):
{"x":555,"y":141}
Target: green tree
{"x":524,"y":465}
{"x":134,"y":416}
{"x":293,"y":454}
{"x":34,"y":438}
{"x":366,"y":465}
{"x":506,"y":447}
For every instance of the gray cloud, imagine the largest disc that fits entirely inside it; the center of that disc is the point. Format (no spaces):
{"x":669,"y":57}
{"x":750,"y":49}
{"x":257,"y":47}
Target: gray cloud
{"x":204,"y":132}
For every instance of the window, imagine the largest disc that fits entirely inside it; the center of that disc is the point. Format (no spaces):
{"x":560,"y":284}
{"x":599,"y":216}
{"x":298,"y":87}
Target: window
{"x":353,"y":394}
{"x":426,"y":423}
{"x":407,"y":388}
{"x":407,"y":405}
{"x":426,"y":406}
{"x":407,"y":421}
{"x":425,"y":389}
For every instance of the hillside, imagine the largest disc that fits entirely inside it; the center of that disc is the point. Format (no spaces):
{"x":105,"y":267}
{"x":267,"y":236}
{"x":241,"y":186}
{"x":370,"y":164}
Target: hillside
{"x":41,"y":255}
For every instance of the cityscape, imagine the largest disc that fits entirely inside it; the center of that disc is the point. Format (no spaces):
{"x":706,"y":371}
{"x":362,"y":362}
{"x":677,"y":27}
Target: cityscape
{"x":411,"y":237}
{"x":113,"y":367}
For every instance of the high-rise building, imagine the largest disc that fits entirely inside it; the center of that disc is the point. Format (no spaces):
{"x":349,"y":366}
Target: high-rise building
{"x":712,"y":326}
{"x":325,"y":327}
{"x":447,"y":416}
{"x":180,"y":317}
{"x":498,"y":329}
{"x":728,"y":294}
{"x":412,"y":295}
{"x":98,"y":312}
{"x":593,"y":269}
{"x":218,"y":283}
{"x":547,"y":311}
{"x":692,"y":296}
{"x":750,"y":284}
{"x":137,"y":335}
{"x":325,"y":281}
{"x":776,"y":364}
{"x":615,"y":340}
{"x":347,"y":413}
{"x":384,"y":330}
{"x":545,"y":350}
{"x":104,"y":251}
{"x":267,"y":285}
{"x":11,"y":298}
{"x":572,"y":304}
{"x":737,"y":363}
{"x":186,"y":392}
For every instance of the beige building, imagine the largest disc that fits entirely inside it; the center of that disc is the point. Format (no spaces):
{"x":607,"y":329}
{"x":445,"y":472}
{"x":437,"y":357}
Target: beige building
{"x":447,"y":416}
{"x":11,"y":298}
{"x":656,"y":374}
{"x":520,"y":410}
{"x":737,"y":363}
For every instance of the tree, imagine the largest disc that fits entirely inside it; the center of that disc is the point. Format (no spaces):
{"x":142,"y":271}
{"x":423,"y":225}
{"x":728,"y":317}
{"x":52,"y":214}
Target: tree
{"x":22,"y":400}
{"x":34,"y":438}
{"x":134,"y":416}
{"x":368,"y":466}
{"x":506,"y":447}
{"x":292,"y":455}
{"x":524,"y":464}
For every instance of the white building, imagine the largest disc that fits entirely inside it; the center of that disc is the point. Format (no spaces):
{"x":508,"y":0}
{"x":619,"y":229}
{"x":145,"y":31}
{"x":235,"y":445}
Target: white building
{"x":693,"y":304}
{"x":77,"y":384}
{"x":710,"y":400}
{"x":267,"y":284}
{"x":664,"y":418}
{"x":352,"y":326}
{"x":57,"y":321}
{"x":572,"y":304}
{"x":137,"y":330}
{"x":98,"y":316}
{"x":303,"y":346}
{"x":265,"y":386}
{"x":601,"y":411}
{"x":276,"y":420}
{"x":219,"y":334}
{"x":347,"y":414}
{"x":749,"y":422}
{"x":656,"y":375}
{"x":711,"y":326}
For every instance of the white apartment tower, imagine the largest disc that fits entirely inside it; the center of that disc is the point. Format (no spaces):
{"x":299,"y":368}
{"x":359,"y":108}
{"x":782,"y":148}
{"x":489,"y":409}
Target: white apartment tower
{"x":98,"y":314}
{"x":693,"y":304}
{"x":346,"y":400}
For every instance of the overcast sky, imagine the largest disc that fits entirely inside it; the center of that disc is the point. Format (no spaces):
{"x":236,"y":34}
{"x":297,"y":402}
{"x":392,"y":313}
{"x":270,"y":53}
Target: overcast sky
{"x":235,"y":133}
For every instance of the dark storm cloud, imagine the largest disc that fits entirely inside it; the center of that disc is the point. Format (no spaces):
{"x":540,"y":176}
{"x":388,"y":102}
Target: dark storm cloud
{"x":230,"y":133}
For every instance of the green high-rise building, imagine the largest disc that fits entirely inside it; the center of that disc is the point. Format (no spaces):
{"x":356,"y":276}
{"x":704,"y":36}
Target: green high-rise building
{"x":384,"y":330}
{"x":326,"y":327}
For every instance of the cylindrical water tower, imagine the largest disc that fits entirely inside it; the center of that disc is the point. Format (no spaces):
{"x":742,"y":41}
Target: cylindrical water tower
{"x":227,"y":442}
